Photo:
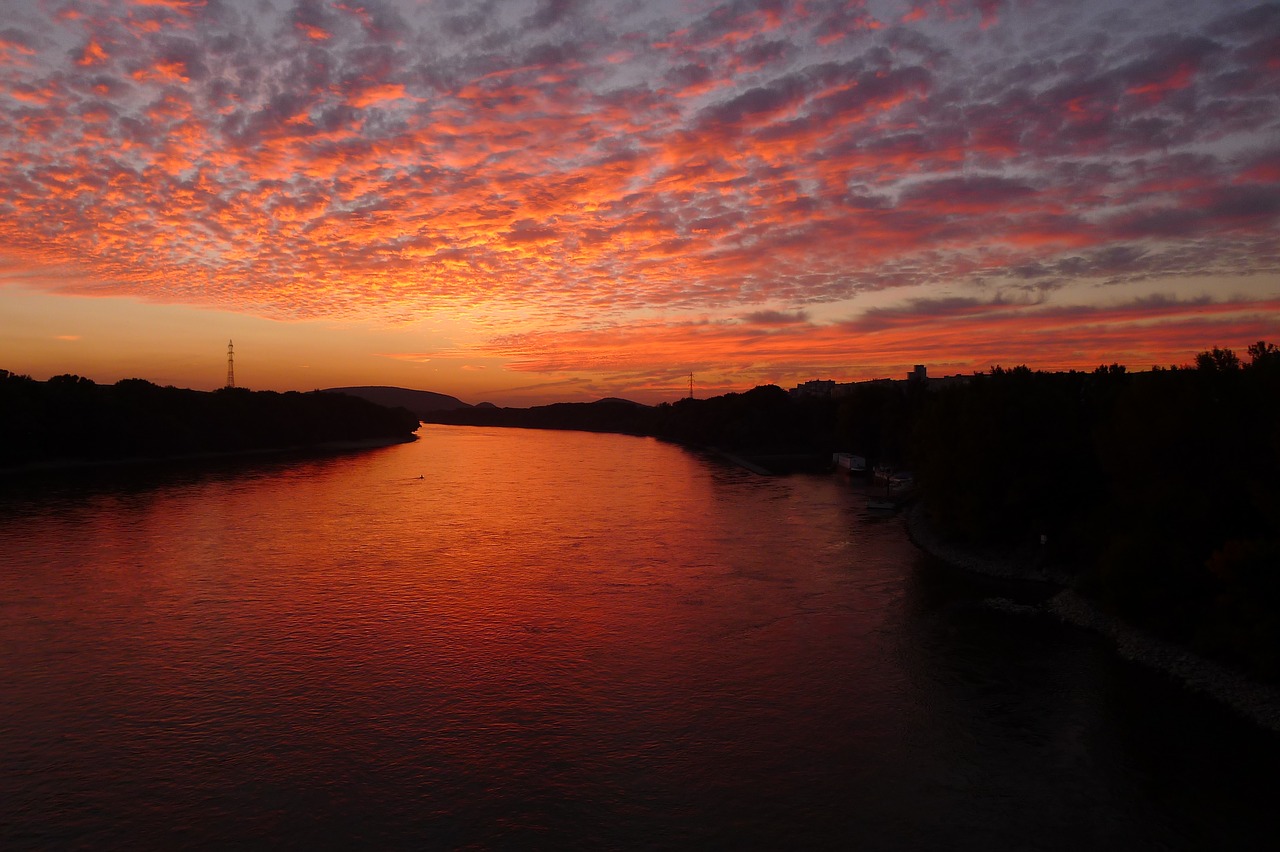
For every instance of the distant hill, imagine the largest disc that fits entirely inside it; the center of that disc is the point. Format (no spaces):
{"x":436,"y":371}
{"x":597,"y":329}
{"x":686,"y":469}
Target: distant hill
{"x":604,"y":415}
{"x":419,"y":402}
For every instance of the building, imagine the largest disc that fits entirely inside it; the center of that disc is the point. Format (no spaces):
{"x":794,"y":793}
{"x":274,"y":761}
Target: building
{"x":820,"y":388}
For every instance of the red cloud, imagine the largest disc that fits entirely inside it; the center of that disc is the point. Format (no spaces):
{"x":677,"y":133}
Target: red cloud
{"x":378,"y":94}
{"x":753,"y":166}
{"x":313,"y":32}
{"x":92,"y":54}
{"x":187,"y":7}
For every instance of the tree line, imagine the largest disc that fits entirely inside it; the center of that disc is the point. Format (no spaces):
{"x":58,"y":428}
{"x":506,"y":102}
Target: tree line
{"x":1158,"y":489}
{"x":72,"y":418}
{"x":764,"y":421}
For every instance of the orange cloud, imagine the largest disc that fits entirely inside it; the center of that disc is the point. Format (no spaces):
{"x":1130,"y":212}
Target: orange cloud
{"x":92,"y":54}
{"x":162,"y":72}
{"x":886,"y":343}
{"x":185,"y":6}
{"x":377,"y":95}
{"x":400,"y":161}
{"x":313,"y":32}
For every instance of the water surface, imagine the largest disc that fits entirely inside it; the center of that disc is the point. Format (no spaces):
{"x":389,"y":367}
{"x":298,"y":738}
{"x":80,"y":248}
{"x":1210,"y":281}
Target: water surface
{"x":521,"y":639}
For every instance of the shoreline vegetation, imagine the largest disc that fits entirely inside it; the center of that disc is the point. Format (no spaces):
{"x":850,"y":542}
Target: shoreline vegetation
{"x":71,"y":422}
{"x":1248,"y":696}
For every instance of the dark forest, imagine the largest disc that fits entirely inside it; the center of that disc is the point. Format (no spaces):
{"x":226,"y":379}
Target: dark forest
{"x":73,"y":419}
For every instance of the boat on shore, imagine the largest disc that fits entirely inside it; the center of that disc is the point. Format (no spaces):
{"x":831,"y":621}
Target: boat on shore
{"x":849,"y":463}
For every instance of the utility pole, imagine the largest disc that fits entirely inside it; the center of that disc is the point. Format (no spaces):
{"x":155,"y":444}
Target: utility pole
{"x":691,"y":386}
{"x":231,"y":365}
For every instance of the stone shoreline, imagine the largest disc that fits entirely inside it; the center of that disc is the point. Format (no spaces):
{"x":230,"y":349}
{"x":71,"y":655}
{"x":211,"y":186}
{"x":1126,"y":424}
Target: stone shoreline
{"x":1256,"y":701}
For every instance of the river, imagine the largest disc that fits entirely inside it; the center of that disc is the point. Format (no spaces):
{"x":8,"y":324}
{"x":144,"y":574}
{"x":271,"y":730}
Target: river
{"x":498,"y":639}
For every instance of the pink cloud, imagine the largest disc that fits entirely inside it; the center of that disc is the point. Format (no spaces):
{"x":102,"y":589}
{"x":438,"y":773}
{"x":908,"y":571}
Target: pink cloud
{"x":92,"y":54}
{"x":391,"y":160}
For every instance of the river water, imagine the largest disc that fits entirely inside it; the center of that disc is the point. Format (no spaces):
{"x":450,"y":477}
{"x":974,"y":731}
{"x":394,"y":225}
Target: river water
{"x":498,"y":639}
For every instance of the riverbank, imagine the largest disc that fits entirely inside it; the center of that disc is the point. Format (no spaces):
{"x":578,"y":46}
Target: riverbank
{"x":1256,"y":701}
{"x":60,"y":465}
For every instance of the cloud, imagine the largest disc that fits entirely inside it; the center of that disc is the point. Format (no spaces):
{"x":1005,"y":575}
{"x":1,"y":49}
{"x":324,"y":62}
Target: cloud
{"x":776,"y":318}
{"x":747,"y":161}
{"x":552,"y":12}
{"x":1153,"y":330}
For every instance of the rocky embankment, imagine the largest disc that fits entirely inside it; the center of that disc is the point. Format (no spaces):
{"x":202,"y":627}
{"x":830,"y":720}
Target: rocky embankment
{"x":1257,"y":701}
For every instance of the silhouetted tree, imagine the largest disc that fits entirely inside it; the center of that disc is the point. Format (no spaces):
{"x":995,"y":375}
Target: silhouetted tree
{"x":1217,"y":360}
{"x":1264,"y":355}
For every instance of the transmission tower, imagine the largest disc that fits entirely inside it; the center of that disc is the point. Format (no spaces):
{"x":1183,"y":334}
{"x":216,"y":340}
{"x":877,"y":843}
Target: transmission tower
{"x":231,"y":365}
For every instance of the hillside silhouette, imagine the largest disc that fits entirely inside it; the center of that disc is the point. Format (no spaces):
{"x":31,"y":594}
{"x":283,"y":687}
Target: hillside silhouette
{"x":420,"y":402}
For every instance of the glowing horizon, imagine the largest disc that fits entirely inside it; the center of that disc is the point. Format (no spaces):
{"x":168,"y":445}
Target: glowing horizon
{"x":565,"y":199}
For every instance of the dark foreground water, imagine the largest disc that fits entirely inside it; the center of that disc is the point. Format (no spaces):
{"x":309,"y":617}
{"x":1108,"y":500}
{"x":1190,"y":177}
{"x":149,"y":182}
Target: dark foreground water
{"x":514,"y":639}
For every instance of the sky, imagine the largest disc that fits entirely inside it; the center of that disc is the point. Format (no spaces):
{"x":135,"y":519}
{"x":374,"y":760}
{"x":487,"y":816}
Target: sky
{"x":527,"y":201}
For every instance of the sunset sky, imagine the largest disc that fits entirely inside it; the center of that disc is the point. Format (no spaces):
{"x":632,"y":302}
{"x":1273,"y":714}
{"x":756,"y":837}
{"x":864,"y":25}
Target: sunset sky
{"x":525,"y":201}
